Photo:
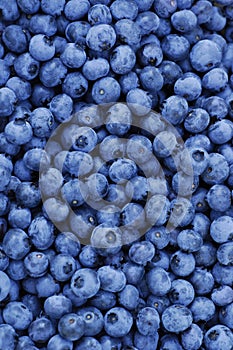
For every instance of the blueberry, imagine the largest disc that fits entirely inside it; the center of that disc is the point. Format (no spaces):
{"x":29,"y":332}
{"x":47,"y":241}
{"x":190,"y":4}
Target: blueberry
{"x":5,"y":285}
{"x":184,"y":20}
{"x":216,"y":107}
{"x":222,"y":274}
{"x":221,"y":229}
{"x":17,"y":315}
{"x":43,"y":24}
{"x":73,"y":56}
{"x":104,"y":300}
{"x":147,"y":321}
{"x":85,"y":282}
{"x":36,"y":264}
{"x":8,"y":100}
{"x":7,"y":147}
{"x":75,"y":85}
{"x":59,"y":343}
{"x":175,"y":109}
{"x":182,"y":292}
{"x":52,"y":73}
{"x":218,"y":335}
{"x":128,"y":81}
{"x":202,"y":281}
{"x":220,"y":132}
{"x":222,"y":296}
{"x":61,"y":107}
{"x":161,"y":275}
{"x":51,"y":182}
{"x":101,"y":37}
{"x":215,"y":80}
{"x":41,"y":95}
{"x":8,"y":337}
{"x":29,"y":6}
{"x":36,"y":158}
{"x":41,"y":232}
{"x":171,"y":341}
{"x":129,"y":297}
{"x":137,"y":188}
{"x":33,"y":303}
{"x":62,"y":267}
{"x":76,"y":300}
{"x":188,"y":82}
{"x":16,"y":243}
{"x":156,"y":210}
{"x":77,"y":31}
{"x":56,"y":306}
{"x":219,"y":198}
{"x":128,"y":32}
{"x":67,"y":243}
{"x":111,"y":279}
{"x":197,"y":120}
{"x":203,"y":63}
{"x":88,"y":343}
{"x":151,"y":79}
{"x":93,"y":319}
{"x":118,"y":322}
{"x":139,"y":101}
{"x":124,"y":9}
{"x":119,"y":118}
{"x":52,"y":9}
{"x":224,"y":254}
{"x":41,"y":330}
{"x":78,"y":163}
{"x":183,"y":184}
{"x":4,"y":260}
{"x":75,"y":10}
{"x":206,"y":255}
{"x":202,"y":308}
{"x":192,"y":338}
{"x":177,"y":318}
{"x":82,"y":222}
{"x":148,"y":22}
{"x":5,"y":74}
{"x":141,"y":252}
{"x":165,"y":9}
{"x":108,"y":342}
{"x":23,"y":342}
{"x":110,"y":215}
{"x":106,"y":90}
{"x":145,"y":341}
{"x":95,"y":68}
{"x":189,"y":240}
{"x":99,"y":14}
{"x":182,"y":264}
{"x":9,"y":38}
{"x":139,"y":149}
{"x":21,"y":88}
{"x":16,"y":270}
{"x":122,"y":59}
{"x":150,"y":54}
{"x":173,"y":50}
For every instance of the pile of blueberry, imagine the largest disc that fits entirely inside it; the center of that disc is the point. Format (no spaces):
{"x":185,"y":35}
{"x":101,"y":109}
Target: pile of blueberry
{"x":116,"y":174}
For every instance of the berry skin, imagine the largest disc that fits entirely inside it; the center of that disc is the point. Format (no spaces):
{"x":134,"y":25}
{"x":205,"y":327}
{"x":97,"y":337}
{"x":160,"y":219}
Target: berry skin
{"x":41,"y":330}
{"x":71,"y":327}
{"x":17,"y":315}
{"x":8,"y":337}
{"x":5,"y":285}
{"x":212,"y":57}
{"x":117,"y":322}
{"x":177,"y":318}
{"x":217,"y":335}
{"x":85,"y":282}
